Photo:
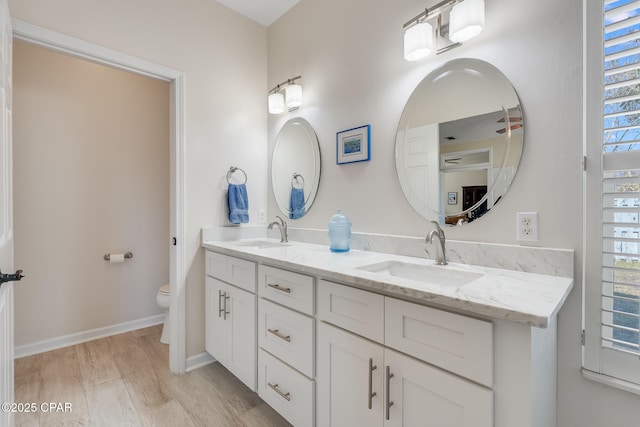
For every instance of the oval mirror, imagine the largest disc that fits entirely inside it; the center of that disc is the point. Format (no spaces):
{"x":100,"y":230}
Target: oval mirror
{"x":295,"y":168}
{"x":459,"y":141}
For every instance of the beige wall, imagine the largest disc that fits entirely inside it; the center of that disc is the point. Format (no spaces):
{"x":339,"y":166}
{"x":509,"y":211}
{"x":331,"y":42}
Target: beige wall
{"x":223,"y":58}
{"x":349,"y":54}
{"x":91,"y":175}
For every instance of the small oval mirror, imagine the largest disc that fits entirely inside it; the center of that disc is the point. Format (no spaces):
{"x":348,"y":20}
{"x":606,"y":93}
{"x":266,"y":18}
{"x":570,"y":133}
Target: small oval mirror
{"x":459,"y":141}
{"x":295,"y":168}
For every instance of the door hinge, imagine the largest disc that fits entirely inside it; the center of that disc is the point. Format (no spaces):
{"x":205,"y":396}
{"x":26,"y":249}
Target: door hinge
{"x":584,"y":163}
{"x":175,"y":241}
{"x":582,"y":337}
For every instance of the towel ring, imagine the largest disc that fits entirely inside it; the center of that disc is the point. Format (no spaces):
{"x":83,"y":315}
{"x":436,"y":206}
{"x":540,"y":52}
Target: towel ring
{"x":234,"y":169}
{"x":296,"y":179}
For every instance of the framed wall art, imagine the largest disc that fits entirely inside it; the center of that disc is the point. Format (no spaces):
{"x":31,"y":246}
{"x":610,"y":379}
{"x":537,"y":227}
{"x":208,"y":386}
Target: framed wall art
{"x":453,"y":198}
{"x":353,"y":145}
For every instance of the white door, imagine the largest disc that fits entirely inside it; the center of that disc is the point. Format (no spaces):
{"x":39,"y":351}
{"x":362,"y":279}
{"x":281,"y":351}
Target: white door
{"x":6,"y":217}
{"x":241,"y":341}
{"x":423,"y":395}
{"x":420,"y":156}
{"x":350,"y":371}
{"x":215,"y":318}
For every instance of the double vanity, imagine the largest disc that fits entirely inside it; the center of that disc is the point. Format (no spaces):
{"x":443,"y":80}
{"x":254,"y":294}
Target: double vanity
{"x":380,"y":336}
{"x":372,"y":338}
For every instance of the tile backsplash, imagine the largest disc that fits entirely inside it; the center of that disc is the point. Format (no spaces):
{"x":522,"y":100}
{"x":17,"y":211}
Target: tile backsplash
{"x":554,"y":262}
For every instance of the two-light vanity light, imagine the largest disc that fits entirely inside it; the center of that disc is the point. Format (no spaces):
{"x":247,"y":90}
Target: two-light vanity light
{"x":466,"y":20}
{"x":291,"y":99}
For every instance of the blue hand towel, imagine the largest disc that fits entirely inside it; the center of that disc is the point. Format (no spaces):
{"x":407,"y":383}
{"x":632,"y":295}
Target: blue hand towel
{"x":238,"y":203}
{"x":296,"y":203}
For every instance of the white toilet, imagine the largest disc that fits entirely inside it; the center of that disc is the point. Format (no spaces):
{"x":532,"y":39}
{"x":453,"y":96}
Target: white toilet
{"x":164,"y":299}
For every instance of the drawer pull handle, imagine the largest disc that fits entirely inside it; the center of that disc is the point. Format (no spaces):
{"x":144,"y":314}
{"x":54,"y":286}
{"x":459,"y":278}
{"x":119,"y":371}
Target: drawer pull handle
{"x":372,"y":393}
{"x":279,"y":288}
{"x":275,"y":388}
{"x":279,"y":335}
{"x":389,"y":403}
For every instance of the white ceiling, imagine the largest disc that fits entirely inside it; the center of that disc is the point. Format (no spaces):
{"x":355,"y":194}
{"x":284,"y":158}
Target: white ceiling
{"x":264,"y":12}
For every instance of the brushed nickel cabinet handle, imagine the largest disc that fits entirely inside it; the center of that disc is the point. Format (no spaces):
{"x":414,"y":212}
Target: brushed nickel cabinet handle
{"x":279,"y":288}
{"x":275,"y":388}
{"x":372,"y":393}
{"x":275,"y":332}
{"x":389,"y":403}
{"x":220,"y":309}
{"x":226,"y":298}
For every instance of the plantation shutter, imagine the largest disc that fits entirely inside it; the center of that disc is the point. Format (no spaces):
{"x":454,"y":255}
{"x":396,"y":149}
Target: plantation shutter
{"x":620,"y":178}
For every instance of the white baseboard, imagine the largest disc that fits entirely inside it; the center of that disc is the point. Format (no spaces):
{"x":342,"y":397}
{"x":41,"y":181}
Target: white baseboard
{"x":84,"y":336}
{"x":198,"y":361}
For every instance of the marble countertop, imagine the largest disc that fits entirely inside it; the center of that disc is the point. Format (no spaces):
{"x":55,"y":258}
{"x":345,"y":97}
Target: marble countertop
{"x":528,"y":298}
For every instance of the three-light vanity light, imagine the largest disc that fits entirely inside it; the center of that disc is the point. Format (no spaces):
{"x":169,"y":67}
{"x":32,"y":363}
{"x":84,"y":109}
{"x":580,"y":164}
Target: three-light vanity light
{"x":465,"y":21}
{"x":290,"y":100}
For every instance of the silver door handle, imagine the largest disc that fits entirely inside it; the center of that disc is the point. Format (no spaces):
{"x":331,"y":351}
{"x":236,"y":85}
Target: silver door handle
{"x":275,"y":332}
{"x":389,"y":403}
{"x":372,"y":393}
{"x":226,"y":298}
{"x":275,"y":388}
{"x":220,"y":308}
{"x":279,"y":288}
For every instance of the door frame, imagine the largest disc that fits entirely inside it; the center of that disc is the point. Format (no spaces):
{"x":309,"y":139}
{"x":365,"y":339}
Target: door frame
{"x":98,"y":54}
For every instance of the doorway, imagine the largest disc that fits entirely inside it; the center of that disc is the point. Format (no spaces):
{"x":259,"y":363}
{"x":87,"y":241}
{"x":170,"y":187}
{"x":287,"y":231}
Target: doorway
{"x":91,"y":177}
{"x":78,"y":48}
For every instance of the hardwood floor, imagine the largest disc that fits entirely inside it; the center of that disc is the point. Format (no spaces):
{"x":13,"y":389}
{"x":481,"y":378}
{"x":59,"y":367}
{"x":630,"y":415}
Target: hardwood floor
{"x":124,"y":380}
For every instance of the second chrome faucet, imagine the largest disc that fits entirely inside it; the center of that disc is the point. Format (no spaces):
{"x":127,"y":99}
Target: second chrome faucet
{"x":441,"y":257}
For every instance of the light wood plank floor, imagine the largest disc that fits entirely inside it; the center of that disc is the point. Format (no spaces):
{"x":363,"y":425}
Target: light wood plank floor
{"x":124,"y":380}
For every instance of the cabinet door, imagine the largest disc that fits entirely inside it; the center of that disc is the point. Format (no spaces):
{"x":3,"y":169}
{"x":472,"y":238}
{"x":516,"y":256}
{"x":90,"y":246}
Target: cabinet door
{"x":344,"y":396}
{"x":215,"y":329}
{"x":425,"y":396}
{"x":241,"y":358}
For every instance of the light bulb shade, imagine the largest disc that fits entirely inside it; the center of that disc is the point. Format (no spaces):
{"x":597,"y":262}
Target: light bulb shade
{"x":276,"y":103}
{"x":418,"y":41}
{"x":293,"y":94}
{"x":466,"y":20}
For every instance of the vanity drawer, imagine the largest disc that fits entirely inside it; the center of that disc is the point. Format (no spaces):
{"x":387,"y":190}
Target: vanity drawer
{"x":358,"y":311}
{"x":456,"y":343}
{"x":238,"y":272}
{"x":287,"y":391}
{"x":216,"y":265}
{"x":293,"y":290}
{"x":241,"y":273}
{"x":288,"y":335}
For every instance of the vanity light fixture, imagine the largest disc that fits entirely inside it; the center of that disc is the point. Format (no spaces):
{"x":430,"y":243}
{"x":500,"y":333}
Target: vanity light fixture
{"x":292,"y":96}
{"x":457,"y":21}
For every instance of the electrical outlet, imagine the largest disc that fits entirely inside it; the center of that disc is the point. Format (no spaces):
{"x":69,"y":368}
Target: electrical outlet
{"x":527,"y":226}
{"x":262,"y":216}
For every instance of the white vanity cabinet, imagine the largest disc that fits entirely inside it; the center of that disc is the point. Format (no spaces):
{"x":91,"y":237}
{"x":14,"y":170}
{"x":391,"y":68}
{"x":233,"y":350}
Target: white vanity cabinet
{"x":353,"y":354}
{"x":361,"y":382}
{"x":230,"y":315}
{"x":286,"y":337}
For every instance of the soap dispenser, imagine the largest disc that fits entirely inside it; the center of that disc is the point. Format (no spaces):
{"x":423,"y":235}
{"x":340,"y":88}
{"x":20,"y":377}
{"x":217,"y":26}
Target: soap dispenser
{"x":339,"y":232}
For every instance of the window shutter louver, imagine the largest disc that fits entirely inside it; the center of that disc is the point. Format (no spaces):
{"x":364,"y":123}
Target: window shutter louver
{"x":620,"y":299}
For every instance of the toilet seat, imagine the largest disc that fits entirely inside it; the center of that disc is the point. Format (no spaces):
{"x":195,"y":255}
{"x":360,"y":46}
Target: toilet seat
{"x":164,"y":289}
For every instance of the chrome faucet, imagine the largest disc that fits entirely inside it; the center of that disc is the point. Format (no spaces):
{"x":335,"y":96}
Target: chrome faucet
{"x":282,"y":226}
{"x":441,"y":257}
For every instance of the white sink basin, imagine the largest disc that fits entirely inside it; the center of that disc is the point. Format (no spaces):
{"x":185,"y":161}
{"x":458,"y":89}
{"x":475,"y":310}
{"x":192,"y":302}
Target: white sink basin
{"x":261,"y":244}
{"x":432,"y":274}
